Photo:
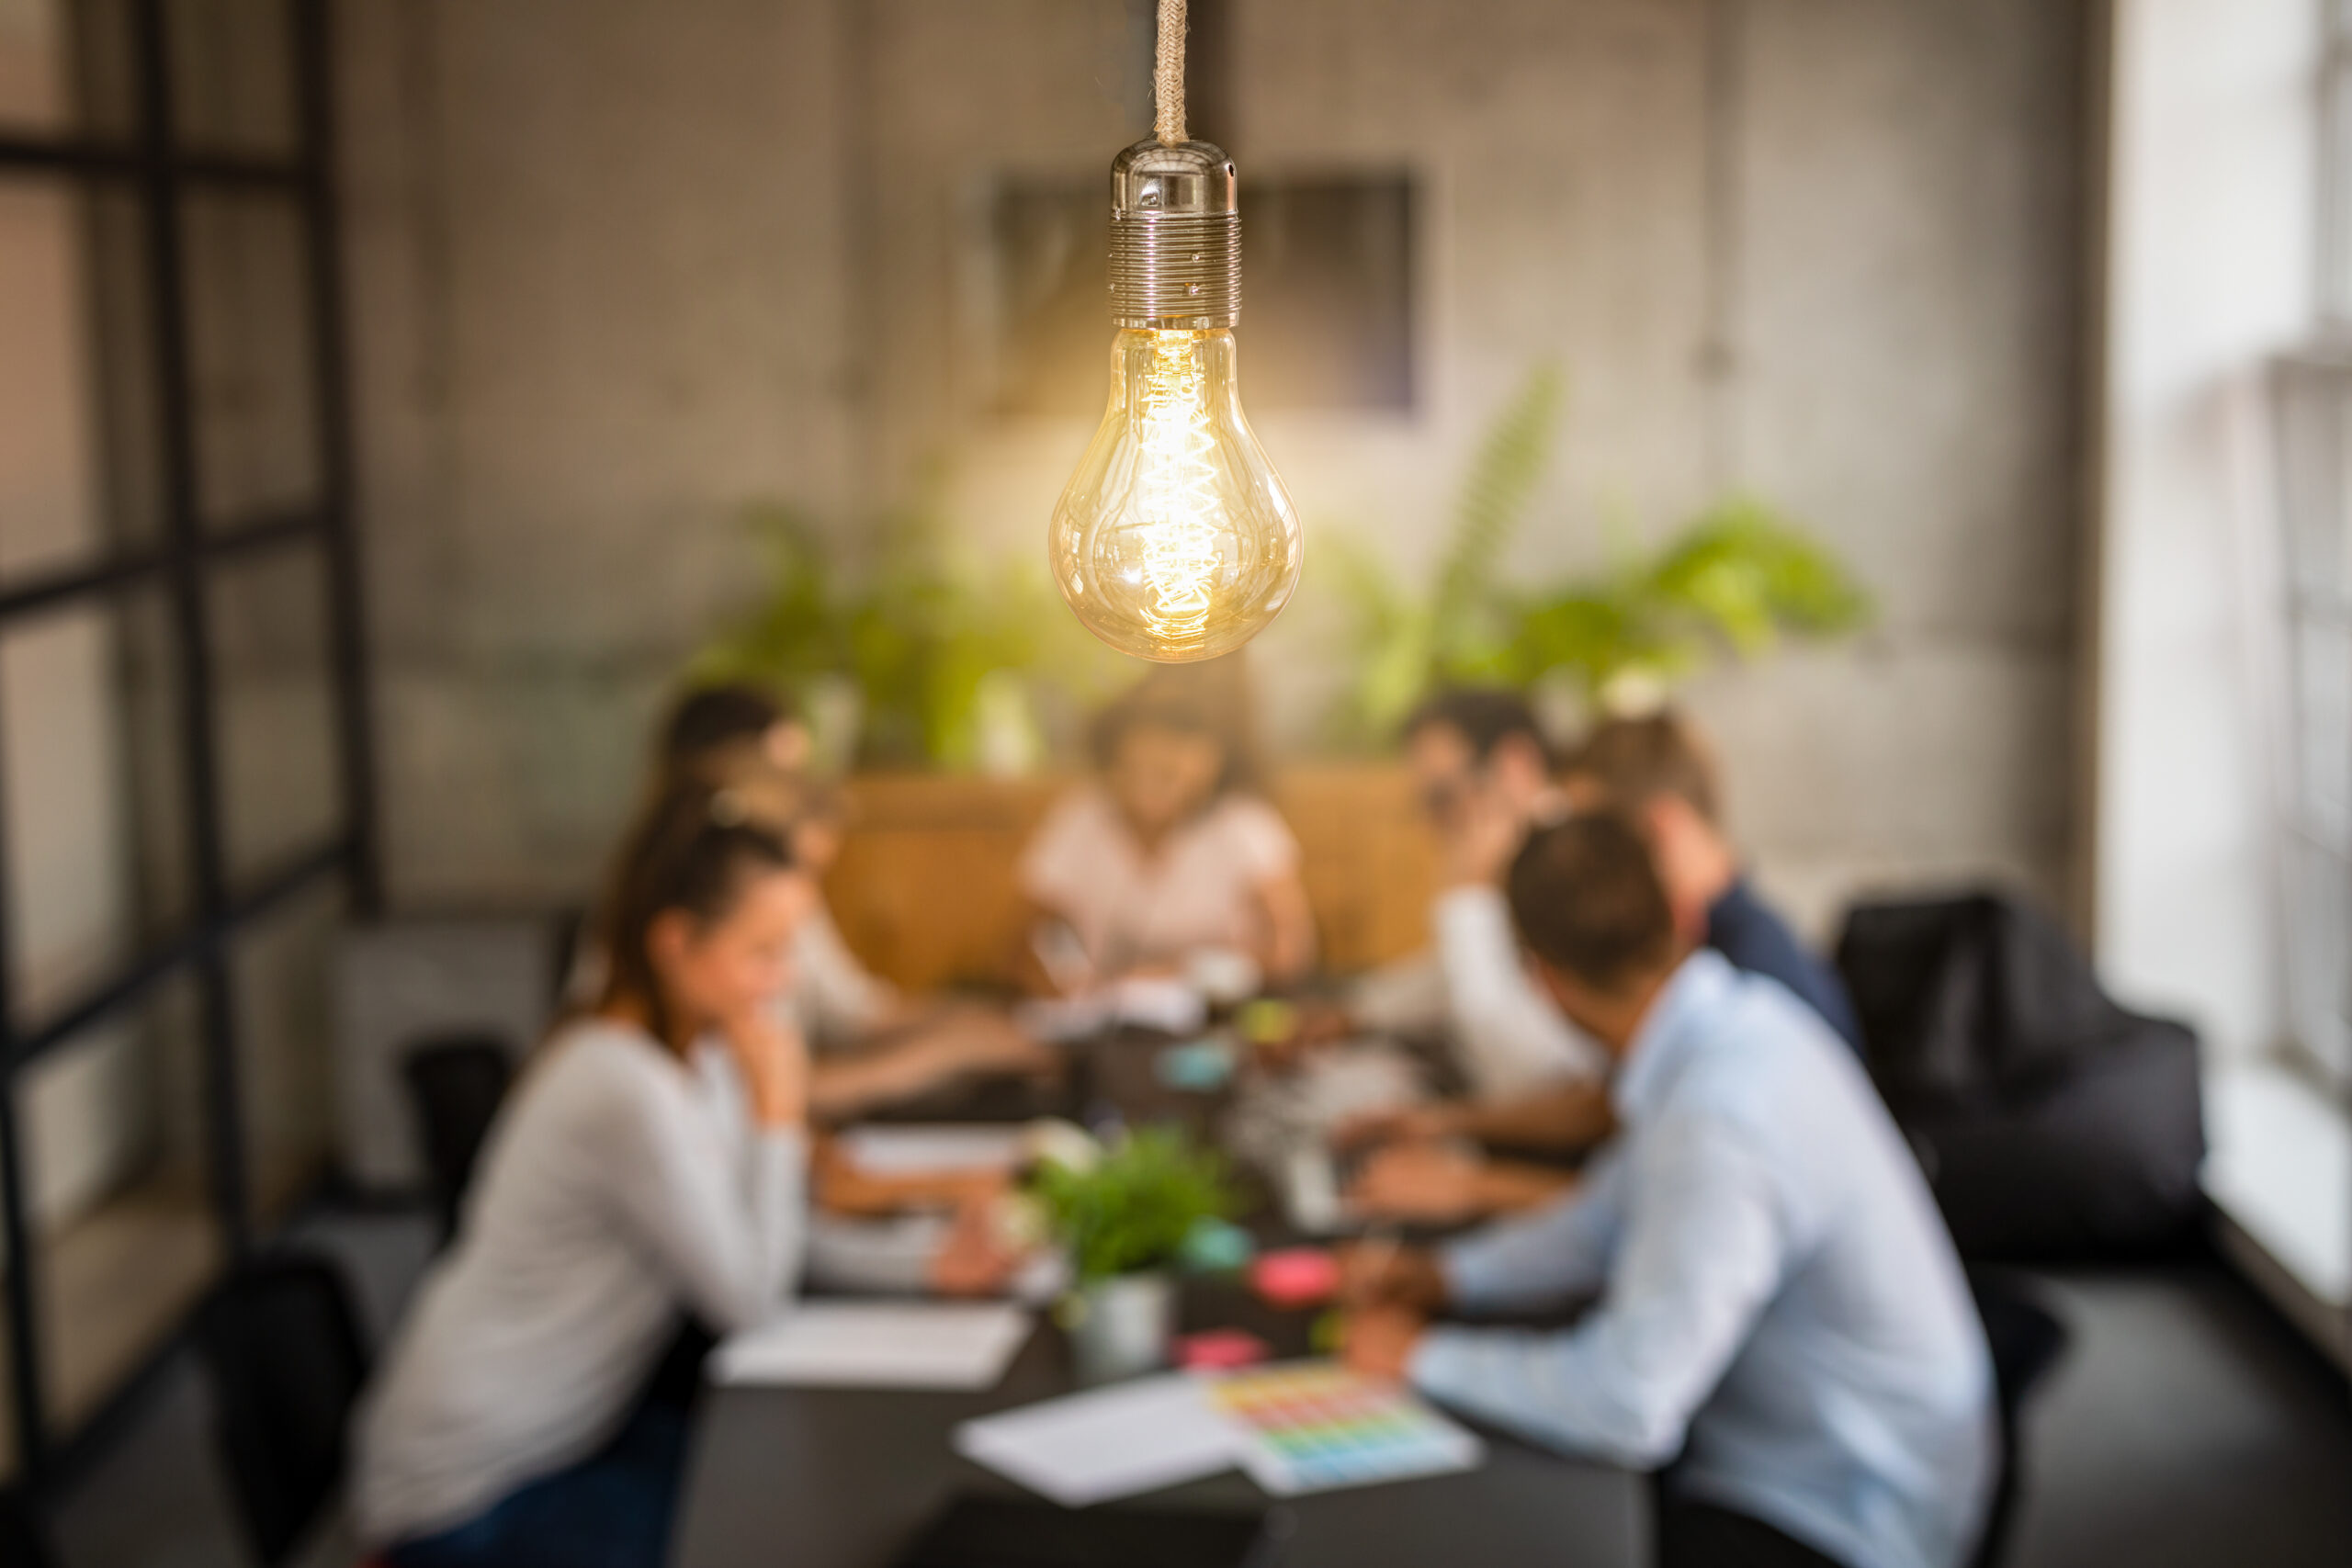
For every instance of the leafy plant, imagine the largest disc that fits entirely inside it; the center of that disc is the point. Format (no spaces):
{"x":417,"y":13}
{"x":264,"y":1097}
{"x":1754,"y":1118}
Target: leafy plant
{"x":1738,"y":578}
{"x":1403,"y":639}
{"x":921,"y":632}
{"x":1131,"y":1210}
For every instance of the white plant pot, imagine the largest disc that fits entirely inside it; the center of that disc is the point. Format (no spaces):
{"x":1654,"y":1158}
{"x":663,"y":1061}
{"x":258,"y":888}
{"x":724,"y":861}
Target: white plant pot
{"x":1120,"y":1327}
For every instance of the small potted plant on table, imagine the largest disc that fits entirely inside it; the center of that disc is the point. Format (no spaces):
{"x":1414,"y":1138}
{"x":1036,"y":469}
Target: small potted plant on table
{"x":1125,"y":1215}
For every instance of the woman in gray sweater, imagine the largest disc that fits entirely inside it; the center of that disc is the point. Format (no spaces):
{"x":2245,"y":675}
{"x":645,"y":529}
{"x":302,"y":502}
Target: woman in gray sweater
{"x":652,"y":1161}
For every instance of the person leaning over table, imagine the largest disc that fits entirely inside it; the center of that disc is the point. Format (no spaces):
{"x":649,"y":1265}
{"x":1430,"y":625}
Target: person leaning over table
{"x":942,"y":1232}
{"x":1776,"y":1299}
{"x":1658,"y":771}
{"x":1172,"y":853}
{"x":873,"y":1044}
{"x":652,"y":1162}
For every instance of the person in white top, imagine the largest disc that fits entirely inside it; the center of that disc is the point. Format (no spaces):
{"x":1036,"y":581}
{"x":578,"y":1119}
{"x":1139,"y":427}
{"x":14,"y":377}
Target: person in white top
{"x":1171,"y":853}
{"x":650,"y":1163}
{"x":1484,"y":776}
{"x":1483,"y":769}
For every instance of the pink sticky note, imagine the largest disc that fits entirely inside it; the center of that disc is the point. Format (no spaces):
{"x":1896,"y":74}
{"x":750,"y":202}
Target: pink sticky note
{"x":1295,"y":1277}
{"x":1218,"y":1349}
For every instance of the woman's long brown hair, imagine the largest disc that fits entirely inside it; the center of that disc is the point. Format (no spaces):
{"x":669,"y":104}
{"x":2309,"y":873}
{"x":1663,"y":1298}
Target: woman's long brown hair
{"x":692,"y":848}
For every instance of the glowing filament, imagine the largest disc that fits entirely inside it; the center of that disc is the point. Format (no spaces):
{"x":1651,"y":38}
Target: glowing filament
{"x":1176,"y":497}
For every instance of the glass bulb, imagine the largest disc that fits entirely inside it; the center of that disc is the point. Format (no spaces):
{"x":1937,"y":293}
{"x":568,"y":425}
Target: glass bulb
{"x":1175,"y":539}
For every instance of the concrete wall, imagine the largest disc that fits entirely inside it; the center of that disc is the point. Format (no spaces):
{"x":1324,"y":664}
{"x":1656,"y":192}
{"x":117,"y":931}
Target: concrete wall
{"x":619,"y":267}
{"x":597,"y":269}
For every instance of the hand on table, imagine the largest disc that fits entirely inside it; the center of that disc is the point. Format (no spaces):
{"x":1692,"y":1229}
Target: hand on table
{"x":980,"y":1040}
{"x":846,"y":1187}
{"x":975,"y":1259}
{"x":1378,"y":1341}
{"x":1404,"y":1123}
{"x":1376,"y":1273}
{"x":1428,"y":1183}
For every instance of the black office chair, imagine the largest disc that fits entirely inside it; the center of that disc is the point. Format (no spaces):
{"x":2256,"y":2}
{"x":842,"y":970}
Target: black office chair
{"x":456,"y":1083}
{"x":2027,"y":1340}
{"x":282,"y":1346}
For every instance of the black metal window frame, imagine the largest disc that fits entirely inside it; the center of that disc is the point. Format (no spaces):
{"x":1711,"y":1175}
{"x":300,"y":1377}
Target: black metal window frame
{"x":154,"y":165}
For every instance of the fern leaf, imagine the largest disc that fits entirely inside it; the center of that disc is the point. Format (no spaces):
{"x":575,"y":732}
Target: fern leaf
{"x":1501,"y":481}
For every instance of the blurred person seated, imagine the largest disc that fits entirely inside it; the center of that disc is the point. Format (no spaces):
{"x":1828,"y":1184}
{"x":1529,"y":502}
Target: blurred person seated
{"x":1661,"y":772}
{"x":650,"y":1163}
{"x":1482,"y":773}
{"x":1778,"y":1302}
{"x":874,"y":1045}
{"x":1172,"y":859}
{"x":1658,"y":772}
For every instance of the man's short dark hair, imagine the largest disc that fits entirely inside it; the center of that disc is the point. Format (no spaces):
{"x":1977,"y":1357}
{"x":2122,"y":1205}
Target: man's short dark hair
{"x":709,"y":717}
{"x":1485,"y":717}
{"x":1586,"y":896}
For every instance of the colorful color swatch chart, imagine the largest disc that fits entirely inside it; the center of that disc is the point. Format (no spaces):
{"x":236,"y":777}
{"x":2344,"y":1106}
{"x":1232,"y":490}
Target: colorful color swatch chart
{"x":1314,"y":1426}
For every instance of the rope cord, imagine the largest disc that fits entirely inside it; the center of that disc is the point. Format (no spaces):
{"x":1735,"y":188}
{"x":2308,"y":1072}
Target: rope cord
{"x":1167,"y":74}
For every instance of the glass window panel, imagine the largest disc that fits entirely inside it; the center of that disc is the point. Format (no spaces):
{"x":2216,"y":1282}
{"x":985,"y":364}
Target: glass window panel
{"x":2308,"y":461}
{"x":2319,"y":952}
{"x":233,"y":74}
{"x":89,"y":762}
{"x":273,"y":703}
{"x":35,"y":66}
{"x":281,"y":965}
{"x":2335,"y":166}
{"x":76,"y":399}
{"x":2324,"y":727}
{"x":64,"y":67}
{"x":121,"y":1209}
{"x":250,"y":372}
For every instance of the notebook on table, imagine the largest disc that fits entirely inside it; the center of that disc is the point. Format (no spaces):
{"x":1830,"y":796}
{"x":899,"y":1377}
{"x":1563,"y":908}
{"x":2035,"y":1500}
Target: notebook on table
{"x":890,"y":1344}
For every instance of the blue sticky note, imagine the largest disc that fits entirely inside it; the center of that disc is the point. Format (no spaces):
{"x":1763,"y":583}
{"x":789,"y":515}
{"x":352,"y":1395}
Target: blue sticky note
{"x":1202,"y":1066}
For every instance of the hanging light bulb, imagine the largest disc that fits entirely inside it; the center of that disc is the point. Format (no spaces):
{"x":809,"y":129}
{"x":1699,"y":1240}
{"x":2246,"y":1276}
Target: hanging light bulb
{"x":1174,"y":540}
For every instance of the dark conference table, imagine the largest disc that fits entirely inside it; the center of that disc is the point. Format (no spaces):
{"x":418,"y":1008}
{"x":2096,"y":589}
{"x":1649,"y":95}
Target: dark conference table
{"x":843,"y":1478}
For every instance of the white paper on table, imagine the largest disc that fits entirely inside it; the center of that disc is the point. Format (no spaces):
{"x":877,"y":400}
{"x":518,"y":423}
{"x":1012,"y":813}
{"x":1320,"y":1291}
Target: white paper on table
{"x":878,"y":1344}
{"x":1162,"y":1002}
{"x":1111,"y":1442}
{"x":922,"y":1150}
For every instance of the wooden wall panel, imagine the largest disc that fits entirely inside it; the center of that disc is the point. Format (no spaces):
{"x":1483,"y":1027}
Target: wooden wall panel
{"x":925,"y":895}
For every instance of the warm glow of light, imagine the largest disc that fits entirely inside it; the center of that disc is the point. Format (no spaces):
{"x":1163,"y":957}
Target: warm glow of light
{"x":1174,"y":540}
{"x":1175,"y":491}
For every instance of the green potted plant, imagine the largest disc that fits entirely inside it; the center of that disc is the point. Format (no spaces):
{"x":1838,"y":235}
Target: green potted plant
{"x":905,"y":649}
{"x":1125,"y":1215}
{"x":1735,"y":579}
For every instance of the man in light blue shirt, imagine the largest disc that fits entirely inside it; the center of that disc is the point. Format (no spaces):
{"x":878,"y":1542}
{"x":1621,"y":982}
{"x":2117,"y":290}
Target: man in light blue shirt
{"x":1779,"y":1303}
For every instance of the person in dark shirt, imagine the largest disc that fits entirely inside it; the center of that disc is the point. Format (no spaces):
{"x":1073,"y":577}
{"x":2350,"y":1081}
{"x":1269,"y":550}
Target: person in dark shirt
{"x":1656,"y":771}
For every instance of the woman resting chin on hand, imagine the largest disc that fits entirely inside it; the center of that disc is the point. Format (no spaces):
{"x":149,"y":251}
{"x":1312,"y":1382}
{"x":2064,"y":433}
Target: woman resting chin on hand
{"x":651,"y":1165}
